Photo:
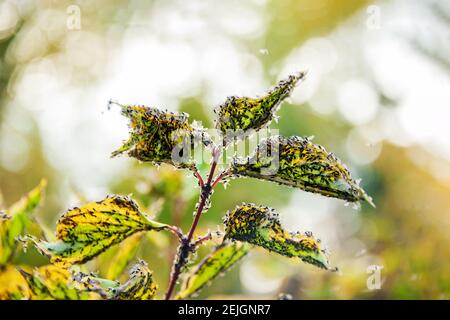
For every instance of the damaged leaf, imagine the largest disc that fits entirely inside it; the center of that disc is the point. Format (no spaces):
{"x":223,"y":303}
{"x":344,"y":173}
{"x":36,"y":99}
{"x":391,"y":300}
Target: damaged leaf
{"x":297,"y":162}
{"x":140,"y":285}
{"x":220,"y":260}
{"x":241,"y":114}
{"x":83,"y":233}
{"x":51,"y":282}
{"x":159,"y":136}
{"x":260,"y":226}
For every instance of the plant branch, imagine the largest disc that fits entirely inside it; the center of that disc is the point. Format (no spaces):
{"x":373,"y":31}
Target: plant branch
{"x":186,"y":246}
{"x":198,"y":176}
{"x":222,"y":175}
{"x":204,"y":238}
{"x":176,"y":231}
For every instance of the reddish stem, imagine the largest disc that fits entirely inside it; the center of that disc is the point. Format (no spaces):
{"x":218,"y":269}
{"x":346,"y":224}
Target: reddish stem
{"x":206,"y":237}
{"x":186,"y":245}
{"x":198,"y":176}
{"x":222,"y":175}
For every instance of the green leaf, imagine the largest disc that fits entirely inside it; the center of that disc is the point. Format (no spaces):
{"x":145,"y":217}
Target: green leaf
{"x":238,"y":115}
{"x":124,"y":255}
{"x":159,"y":136}
{"x":51,"y":282}
{"x":140,"y":285}
{"x":221,"y":259}
{"x":260,"y":226}
{"x":297,"y":162}
{"x":15,"y":220}
{"x":83,"y":233}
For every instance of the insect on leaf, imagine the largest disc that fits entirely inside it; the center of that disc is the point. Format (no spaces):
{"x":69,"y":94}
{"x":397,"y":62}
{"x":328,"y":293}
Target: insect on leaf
{"x":297,"y":162}
{"x":159,"y":136}
{"x":16,"y":219}
{"x":221,"y":259}
{"x":123,"y":256}
{"x":241,"y":114}
{"x":140,"y":285}
{"x":260,"y":226}
{"x":52,"y":283}
{"x":91,"y":283}
{"x":83,"y":233}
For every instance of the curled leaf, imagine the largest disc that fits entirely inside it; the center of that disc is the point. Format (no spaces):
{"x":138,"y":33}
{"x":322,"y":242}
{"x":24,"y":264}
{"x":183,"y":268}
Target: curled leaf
{"x":159,"y":136}
{"x":15,"y":220}
{"x":84,"y":282}
{"x":297,"y":162}
{"x":260,"y":226}
{"x":221,"y":259}
{"x":51,"y":282}
{"x":241,"y":114}
{"x":140,"y":285}
{"x":83,"y":233}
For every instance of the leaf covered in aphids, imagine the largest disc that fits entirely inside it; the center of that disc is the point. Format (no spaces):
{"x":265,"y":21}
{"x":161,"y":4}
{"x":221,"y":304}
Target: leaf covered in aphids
{"x":85,"y":232}
{"x":85,"y":282}
{"x":241,"y":114}
{"x":260,"y":226}
{"x":140,"y":285}
{"x":221,"y":259}
{"x":15,"y":220}
{"x":160,"y":136}
{"x":124,"y":255}
{"x":52,"y":282}
{"x":297,"y":162}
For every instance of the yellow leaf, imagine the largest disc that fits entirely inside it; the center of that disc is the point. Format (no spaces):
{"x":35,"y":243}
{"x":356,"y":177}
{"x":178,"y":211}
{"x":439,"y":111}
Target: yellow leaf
{"x":12,"y":285}
{"x":83,"y":233}
{"x":52,"y":283}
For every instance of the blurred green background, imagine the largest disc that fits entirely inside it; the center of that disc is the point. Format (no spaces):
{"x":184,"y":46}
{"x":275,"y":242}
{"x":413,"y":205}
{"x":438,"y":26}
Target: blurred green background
{"x":377,"y":94}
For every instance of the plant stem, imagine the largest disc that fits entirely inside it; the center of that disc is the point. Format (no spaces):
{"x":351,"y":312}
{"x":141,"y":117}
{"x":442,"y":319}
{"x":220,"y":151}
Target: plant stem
{"x":222,"y":175}
{"x":186,"y":245}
